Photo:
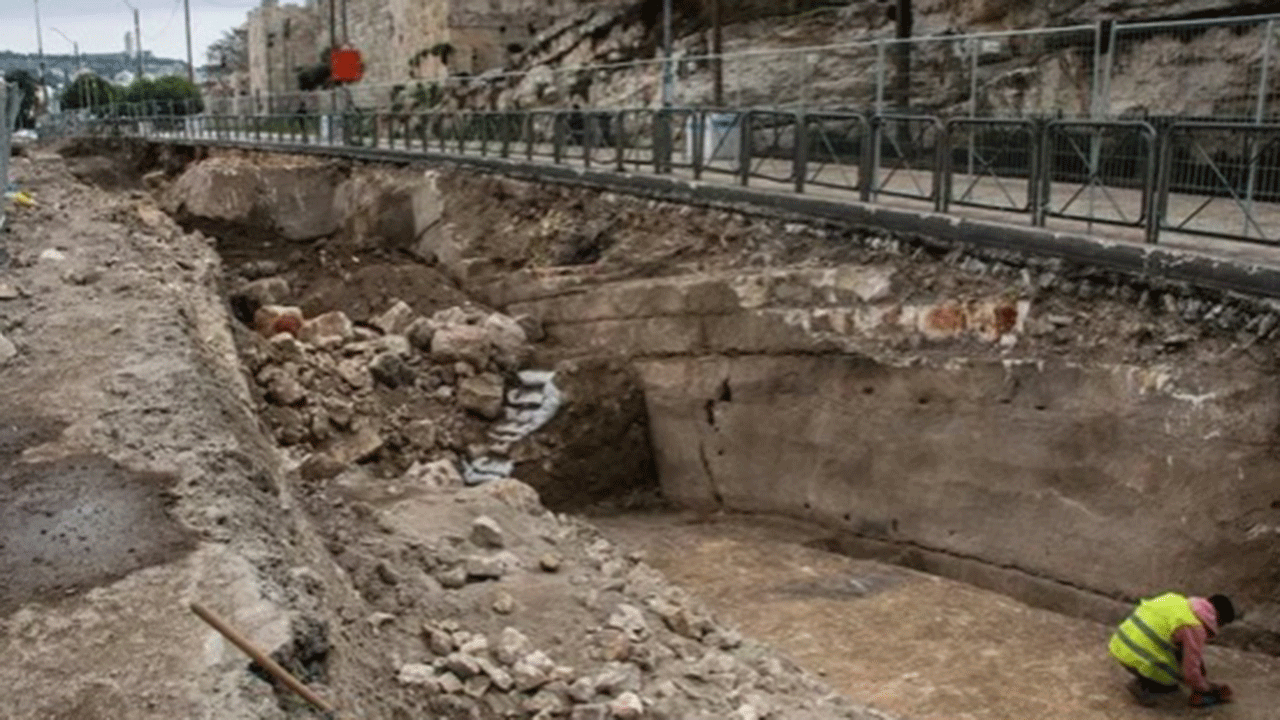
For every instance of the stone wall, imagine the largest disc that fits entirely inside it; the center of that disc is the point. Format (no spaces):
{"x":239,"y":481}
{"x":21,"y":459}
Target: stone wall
{"x":942,"y":430}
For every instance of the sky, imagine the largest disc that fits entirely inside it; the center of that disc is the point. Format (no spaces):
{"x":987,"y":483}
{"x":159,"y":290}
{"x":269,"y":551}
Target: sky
{"x":99,"y":25}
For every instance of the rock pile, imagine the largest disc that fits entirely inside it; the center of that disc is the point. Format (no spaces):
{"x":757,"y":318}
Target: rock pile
{"x":489,"y":606}
{"x":399,"y":389}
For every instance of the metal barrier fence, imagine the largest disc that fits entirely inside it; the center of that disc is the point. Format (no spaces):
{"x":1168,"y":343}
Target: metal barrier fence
{"x":1211,"y":179}
{"x":1221,"y":68}
{"x":10,"y":101}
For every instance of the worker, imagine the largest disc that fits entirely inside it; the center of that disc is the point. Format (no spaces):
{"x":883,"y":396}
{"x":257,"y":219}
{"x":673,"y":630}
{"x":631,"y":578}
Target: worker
{"x":1162,"y":642}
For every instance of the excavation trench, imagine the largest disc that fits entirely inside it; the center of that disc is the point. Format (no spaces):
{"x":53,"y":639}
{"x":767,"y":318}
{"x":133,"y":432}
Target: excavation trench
{"x":1065,"y":437}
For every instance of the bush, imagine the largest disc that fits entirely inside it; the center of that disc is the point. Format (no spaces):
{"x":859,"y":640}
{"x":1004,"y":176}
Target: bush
{"x":27,"y":86}
{"x":89,"y":91}
{"x":170,"y":95}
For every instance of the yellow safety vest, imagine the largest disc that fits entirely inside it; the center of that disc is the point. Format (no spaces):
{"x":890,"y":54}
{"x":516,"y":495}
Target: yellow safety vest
{"x":1144,"y":641}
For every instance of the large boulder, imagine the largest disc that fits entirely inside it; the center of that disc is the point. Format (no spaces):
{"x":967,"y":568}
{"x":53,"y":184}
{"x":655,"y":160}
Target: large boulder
{"x":272,"y":320}
{"x":396,"y":320}
{"x":329,"y":329}
{"x":469,"y":343}
{"x":508,"y":341}
{"x":291,"y":200}
{"x":482,"y":395}
{"x":253,"y":295}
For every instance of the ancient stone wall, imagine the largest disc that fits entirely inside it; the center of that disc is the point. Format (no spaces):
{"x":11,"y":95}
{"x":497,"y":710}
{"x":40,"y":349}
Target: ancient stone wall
{"x":281,"y":40}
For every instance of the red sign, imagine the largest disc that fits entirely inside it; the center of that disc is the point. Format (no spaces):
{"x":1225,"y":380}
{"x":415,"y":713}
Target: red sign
{"x":345,"y":65}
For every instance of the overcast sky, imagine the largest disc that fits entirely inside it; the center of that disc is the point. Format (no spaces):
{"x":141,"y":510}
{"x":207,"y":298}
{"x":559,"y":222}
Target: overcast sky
{"x":99,"y":25}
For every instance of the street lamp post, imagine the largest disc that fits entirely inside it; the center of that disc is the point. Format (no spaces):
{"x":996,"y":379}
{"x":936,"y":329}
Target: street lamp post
{"x":76,"y":47}
{"x":191,"y":67}
{"x":78,"y":65}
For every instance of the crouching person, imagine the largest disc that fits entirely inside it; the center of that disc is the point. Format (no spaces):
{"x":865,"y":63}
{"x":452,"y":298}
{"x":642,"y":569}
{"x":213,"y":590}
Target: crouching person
{"x":1162,"y":643}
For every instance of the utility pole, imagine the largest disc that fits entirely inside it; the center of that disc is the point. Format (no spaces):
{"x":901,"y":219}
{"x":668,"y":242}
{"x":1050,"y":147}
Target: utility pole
{"x":137,"y":35}
{"x":902,"y":54}
{"x":191,"y":68}
{"x":333,"y":26}
{"x":76,"y":47}
{"x":137,"y":32}
{"x":40,"y":52}
{"x":666,"y":49}
{"x":717,"y":49}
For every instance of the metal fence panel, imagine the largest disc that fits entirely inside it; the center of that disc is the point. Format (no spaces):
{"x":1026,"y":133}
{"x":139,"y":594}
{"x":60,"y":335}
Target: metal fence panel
{"x":10,"y":99}
{"x":720,"y":134}
{"x":635,"y":138}
{"x":905,"y":156}
{"x":1222,"y":180}
{"x":990,"y":164}
{"x":1099,"y":172}
{"x":1201,"y":68}
{"x":771,"y":144}
{"x":837,"y":144}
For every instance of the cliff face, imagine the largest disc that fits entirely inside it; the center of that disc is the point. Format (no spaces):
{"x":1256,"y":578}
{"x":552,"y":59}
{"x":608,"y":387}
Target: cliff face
{"x":1211,"y":71}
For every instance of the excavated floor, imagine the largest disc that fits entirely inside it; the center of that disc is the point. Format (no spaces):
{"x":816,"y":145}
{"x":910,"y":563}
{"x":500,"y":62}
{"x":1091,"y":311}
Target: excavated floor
{"x":914,"y":645}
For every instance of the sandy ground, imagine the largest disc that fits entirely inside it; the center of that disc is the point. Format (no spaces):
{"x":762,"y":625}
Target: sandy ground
{"x":910,"y":644}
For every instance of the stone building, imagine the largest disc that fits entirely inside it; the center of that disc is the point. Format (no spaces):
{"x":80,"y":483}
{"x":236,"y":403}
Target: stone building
{"x":405,"y":40}
{"x":282,"y":39}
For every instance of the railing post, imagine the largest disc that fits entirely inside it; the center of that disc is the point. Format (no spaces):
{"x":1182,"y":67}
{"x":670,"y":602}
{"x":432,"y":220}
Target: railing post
{"x":588,"y":141}
{"x":744,"y":148}
{"x":506,"y":134}
{"x":557,"y":147}
{"x":662,"y":142}
{"x":527,"y":124}
{"x":801,"y":165}
{"x":620,"y":139}
{"x":1033,"y":172}
{"x":943,"y":172}
{"x":1044,"y":192}
{"x":870,"y":158}
{"x":1148,"y":186}
{"x":697,"y":133}
{"x":1159,"y":205}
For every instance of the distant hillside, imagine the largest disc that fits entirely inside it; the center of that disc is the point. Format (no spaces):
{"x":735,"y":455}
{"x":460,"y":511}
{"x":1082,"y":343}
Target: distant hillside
{"x":58,"y":68}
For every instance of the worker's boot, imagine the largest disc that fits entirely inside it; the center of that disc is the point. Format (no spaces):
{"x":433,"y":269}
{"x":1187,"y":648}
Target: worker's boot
{"x":1145,"y":697}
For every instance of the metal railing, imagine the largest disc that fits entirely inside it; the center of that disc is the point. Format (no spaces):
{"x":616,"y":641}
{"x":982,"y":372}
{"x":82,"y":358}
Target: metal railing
{"x":1225,"y":68}
{"x":1209,"y":179}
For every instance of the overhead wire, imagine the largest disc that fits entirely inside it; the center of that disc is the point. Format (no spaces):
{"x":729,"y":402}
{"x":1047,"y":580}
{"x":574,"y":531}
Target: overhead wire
{"x":152,"y":39}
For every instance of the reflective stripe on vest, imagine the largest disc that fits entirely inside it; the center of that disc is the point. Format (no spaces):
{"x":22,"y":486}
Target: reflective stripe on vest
{"x":1144,"y":641}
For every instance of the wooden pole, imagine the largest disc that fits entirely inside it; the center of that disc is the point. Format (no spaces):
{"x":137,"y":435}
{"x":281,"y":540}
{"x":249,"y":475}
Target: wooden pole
{"x":261,"y":658}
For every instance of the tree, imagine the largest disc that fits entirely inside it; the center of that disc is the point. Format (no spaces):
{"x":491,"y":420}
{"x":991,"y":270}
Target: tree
{"x":26,"y":83}
{"x":230,"y":52}
{"x":89,"y":91}
{"x":169,"y":95}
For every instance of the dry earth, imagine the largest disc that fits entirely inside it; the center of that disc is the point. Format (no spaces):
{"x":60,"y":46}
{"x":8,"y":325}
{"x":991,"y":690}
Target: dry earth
{"x":147,"y":467}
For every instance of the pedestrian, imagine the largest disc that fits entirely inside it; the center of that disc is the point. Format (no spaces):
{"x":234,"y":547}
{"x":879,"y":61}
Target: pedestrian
{"x":301,"y":114}
{"x":1162,"y":642}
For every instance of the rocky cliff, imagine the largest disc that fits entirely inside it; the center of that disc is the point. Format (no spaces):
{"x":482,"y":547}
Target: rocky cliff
{"x":1197,"y":71}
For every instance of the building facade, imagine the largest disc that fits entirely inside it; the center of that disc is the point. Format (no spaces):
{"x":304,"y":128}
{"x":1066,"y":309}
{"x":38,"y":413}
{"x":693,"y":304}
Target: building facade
{"x":400,"y":41}
{"x":282,"y":39}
